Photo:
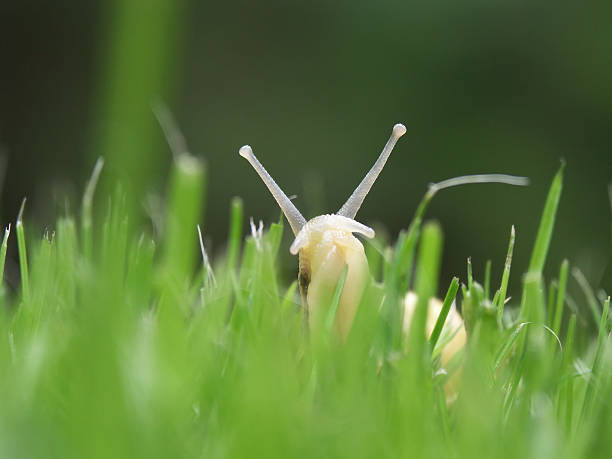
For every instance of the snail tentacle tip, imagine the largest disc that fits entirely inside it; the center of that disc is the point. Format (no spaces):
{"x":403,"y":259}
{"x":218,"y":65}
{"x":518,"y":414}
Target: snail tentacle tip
{"x":399,"y":130}
{"x":245,"y":151}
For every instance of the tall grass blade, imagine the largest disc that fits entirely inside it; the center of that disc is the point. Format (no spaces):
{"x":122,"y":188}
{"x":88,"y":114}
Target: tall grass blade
{"x":430,"y":252}
{"x":556,"y":323}
{"x":544,"y":235}
{"x":448,"y":302}
{"x":594,"y":306}
{"x":235,"y":233}
{"x":183,"y":214}
{"x":86,"y":209}
{"x":23,"y":256}
{"x":547,"y":223}
{"x":3,"y":249}
{"x":592,"y":384}
{"x":501,"y":299}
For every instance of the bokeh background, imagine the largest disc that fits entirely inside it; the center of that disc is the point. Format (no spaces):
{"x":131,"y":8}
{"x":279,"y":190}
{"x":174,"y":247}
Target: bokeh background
{"x":314,"y":87}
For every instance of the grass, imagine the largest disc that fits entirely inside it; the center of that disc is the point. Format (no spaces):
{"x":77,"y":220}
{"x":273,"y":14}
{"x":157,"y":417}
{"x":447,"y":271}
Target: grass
{"x":118,"y":345}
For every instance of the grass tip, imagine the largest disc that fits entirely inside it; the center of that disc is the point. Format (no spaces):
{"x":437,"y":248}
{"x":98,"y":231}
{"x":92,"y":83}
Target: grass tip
{"x":172,"y":133}
{"x":189,"y":164}
{"x":20,"y":214}
{"x":93,"y":181}
{"x":205,"y":259}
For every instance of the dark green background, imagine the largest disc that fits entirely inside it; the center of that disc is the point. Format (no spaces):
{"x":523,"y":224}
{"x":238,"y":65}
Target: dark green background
{"x":314,"y":87}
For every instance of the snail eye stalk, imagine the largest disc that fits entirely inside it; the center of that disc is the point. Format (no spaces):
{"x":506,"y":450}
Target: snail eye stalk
{"x":293,"y":215}
{"x":350,"y":207}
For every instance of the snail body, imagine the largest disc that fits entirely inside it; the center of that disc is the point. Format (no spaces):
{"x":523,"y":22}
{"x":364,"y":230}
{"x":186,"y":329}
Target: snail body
{"x":326,"y":245}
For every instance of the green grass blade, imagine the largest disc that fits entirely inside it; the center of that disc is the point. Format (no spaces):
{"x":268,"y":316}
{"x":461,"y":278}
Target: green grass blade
{"x":3,"y":249}
{"x":448,"y":301}
{"x":588,"y":294}
{"x":568,"y":390}
{"x":504,"y":352}
{"x":396,"y":279}
{"x":551,"y":297}
{"x":235,"y":233}
{"x":543,"y":238}
{"x":209,"y":279}
{"x":501,"y":301}
{"x":333,"y":307}
{"x":138,"y":63}
{"x":547,"y":223}
{"x":487,"y":281}
{"x":595,"y":368}
{"x":562,"y":287}
{"x":86,"y":209}
{"x":184,"y":210}
{"x":470,"y":277}
{"x":23,"y":256}
{"x":430,"y":252}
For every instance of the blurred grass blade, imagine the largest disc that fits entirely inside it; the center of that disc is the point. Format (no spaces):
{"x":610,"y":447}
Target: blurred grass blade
{"x":567,"y":390}
{"x":86,"y":208}
{"x":235,"y":233}
{"x":602,"y":336}
{"x":487,"y":281}
{"x":3,"y":250}
{"x":185,"y":207}
{"x":209,"y":275}
{"x":23,"y":256}
{"x":430,"y":253}
{"x":551,"y":297}
{"x":470,"y":277}
{"x":562,"y":286}
{"x":588,"y":293}
{"x":174,"y":136}
{"x":139,"y":63}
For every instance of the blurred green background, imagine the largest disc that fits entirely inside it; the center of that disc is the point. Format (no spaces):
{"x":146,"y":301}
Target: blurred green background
{"x":315,"y":87}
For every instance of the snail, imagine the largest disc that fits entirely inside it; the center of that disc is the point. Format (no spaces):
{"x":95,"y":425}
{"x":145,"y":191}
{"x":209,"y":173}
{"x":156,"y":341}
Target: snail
{"x":326,"y":245}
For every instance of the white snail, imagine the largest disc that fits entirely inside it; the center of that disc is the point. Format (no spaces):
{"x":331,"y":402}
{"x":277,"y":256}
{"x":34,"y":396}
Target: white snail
{"x":326,"y":245}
